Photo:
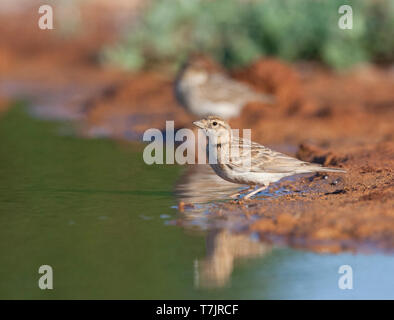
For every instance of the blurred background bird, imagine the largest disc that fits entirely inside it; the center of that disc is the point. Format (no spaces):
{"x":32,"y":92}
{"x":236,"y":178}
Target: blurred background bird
{"x":203,"y":89}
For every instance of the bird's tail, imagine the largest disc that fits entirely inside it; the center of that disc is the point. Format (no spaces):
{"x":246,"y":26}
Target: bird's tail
{"x":326,"y":169}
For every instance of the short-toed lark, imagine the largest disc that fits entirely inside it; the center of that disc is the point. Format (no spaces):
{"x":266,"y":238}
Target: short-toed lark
{"x":204,"y":92}
{"x":245,"y":162}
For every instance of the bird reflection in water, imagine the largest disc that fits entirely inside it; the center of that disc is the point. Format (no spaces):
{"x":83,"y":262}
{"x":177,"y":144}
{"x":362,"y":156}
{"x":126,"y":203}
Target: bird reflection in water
{"x":200,"y":187}
{"x":199,"y":184}
{"x":223,"y":249}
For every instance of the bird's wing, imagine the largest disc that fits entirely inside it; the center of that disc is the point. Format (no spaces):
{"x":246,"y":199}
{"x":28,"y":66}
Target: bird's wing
{"x":221,"y":88}
{"x":263,"y":159}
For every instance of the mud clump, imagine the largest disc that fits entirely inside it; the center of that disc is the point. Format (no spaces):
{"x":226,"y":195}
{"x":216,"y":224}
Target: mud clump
{"x":310,"y":153}
{"x":277,"y":78}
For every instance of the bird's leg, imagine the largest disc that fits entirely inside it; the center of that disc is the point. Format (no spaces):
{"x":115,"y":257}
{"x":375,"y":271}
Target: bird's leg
{"x":235,"y":195}
{"x":254,"y":192}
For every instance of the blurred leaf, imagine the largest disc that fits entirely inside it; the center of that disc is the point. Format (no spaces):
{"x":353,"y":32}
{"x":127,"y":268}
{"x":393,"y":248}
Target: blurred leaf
{"x":237,"y":32}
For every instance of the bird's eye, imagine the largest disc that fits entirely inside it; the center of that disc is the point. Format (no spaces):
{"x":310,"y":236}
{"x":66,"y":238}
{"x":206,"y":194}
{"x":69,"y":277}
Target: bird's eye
{"x":214,"y":123}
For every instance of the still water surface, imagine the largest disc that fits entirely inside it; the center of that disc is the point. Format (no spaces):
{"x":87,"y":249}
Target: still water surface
{"x":104,"y":221}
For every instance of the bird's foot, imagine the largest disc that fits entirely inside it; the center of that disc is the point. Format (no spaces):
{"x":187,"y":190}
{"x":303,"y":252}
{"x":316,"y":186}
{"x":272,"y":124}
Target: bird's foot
{"x":236,"y":195}
{"x":250,"y":194}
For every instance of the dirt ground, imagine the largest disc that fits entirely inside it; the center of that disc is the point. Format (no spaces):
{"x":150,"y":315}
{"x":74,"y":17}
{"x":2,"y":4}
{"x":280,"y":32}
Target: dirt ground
{"x":337,"y":119}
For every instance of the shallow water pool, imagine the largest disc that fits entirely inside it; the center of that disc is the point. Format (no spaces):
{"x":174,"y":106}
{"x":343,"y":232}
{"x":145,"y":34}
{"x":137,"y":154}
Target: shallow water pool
{"x":105,"y":222}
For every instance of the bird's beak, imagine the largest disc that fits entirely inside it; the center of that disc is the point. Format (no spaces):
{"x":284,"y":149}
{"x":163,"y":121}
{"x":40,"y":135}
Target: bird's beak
{"x":199,"y":124}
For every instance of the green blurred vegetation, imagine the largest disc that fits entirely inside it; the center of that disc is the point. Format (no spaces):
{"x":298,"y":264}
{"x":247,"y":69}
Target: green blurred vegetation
{"x":237,"y":32}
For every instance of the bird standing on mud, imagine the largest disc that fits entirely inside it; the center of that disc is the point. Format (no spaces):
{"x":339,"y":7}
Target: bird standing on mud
{"x":202,"y":91}
{"x":245,"y":162}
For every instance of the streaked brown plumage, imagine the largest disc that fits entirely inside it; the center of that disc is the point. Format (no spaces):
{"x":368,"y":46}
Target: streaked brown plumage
{"x":247,"y":162}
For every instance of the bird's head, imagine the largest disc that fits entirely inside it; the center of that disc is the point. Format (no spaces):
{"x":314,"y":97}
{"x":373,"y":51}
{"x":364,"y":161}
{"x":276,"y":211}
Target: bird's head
{"x":215,"y":128}
{"x":194,"y":75}
{"x":197,"y":68}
